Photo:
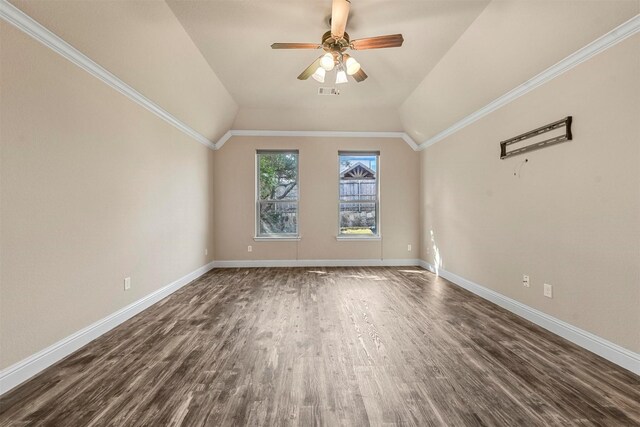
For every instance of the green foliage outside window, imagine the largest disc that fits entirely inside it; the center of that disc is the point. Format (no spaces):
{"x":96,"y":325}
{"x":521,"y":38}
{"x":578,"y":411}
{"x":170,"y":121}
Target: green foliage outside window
{"x":278,"y":193}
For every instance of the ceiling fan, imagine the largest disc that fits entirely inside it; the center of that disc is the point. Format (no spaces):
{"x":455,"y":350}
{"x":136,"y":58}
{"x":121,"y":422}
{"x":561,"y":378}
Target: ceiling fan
{"x":335,"y":43}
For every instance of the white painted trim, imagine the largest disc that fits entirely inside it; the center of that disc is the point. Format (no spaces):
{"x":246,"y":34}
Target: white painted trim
{"x":618,"y":34}
{"x":277,"y":239}
{"x":345,"y":238}
{"x":29,"y":26}
{"x":18,"y":373}
{"x":406,"y":138}
{"x":316,"y":134}
{"x":606,"y":349}
{"x":224,"y":138}
{"x":317,"y":263}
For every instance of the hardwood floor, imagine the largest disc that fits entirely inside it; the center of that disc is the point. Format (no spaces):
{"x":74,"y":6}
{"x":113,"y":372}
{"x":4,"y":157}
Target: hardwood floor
{"x":326,"y":346}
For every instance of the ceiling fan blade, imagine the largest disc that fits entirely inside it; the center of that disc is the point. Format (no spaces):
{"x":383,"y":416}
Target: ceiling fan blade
{"x":339,"y":15}
{"x":360,"y":76}
{"x":393,"y":40}
{"x":310,"y":69}
{"x":296,"y":46}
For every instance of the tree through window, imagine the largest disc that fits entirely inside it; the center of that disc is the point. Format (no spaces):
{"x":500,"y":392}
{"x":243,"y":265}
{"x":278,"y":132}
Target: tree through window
{"x":277,"y":204}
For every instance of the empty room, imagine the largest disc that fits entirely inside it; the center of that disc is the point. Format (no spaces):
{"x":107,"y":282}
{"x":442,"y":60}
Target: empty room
{"x":319,"y":212}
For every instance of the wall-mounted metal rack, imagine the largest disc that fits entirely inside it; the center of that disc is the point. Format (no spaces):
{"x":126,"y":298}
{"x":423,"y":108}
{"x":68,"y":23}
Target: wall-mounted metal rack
{"x":566,"y":122}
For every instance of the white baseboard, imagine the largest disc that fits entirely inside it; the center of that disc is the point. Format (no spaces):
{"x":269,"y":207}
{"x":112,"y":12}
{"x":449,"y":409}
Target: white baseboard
{"x":20,"y":372}
{"x":317,"y":263}
{"x":603,"y":348}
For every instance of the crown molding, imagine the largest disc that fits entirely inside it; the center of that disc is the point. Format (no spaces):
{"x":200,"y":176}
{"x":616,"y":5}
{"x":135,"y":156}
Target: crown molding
{"x":316,"y":134}
{"x":29,"y":26}
{"x":224,"y":138}
{"x":613,"y":37}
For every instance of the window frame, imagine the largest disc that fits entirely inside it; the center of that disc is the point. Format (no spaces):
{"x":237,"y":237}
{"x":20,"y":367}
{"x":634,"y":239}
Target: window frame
{"x":276,"y":236}
{"x":378,"y":235}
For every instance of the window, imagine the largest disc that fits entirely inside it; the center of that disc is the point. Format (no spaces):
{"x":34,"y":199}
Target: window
{"x":277,"y":194}
{"x":359,"y":201}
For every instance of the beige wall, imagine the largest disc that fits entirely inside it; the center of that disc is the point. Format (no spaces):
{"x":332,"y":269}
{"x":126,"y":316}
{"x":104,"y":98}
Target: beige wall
{"x":571,"y":217}
{"x":94,"y":188}
{"x":234,"y":212}
{"x":144,"y":44}
{"x":510,"y":42}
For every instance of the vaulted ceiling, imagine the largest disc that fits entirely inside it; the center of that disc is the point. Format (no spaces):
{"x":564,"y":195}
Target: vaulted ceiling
{"x":235,"y":38}
{"x":209,"y":62}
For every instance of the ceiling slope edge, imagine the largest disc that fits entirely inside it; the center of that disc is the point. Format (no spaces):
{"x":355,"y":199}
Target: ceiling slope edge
{"x":31,"y":27}
{"x":613,"y":37}
{"x":37,"y":31}
{"x":316,"y":134}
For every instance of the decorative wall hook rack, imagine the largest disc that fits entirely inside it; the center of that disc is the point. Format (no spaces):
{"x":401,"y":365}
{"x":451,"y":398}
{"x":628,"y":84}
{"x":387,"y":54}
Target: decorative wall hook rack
{"x":566,"y":122}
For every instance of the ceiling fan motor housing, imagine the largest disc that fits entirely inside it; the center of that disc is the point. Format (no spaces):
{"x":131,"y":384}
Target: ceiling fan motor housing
{"x":333,"y":44}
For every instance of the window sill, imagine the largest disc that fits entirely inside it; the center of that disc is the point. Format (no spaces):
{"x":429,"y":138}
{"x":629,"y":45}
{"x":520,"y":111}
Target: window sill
{"x":277,"y":238}
{"x":363,"y":238}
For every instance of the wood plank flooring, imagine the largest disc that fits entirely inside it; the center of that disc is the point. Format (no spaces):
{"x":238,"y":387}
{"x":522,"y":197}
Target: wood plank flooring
{"x":326,"y":346}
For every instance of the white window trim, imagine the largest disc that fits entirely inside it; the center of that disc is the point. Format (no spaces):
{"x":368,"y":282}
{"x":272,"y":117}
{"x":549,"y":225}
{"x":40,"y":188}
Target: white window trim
{"x":348,"y":238}
{"x":351,"y":237}
{"x":275,"y":237}
{"x":278,"y":238}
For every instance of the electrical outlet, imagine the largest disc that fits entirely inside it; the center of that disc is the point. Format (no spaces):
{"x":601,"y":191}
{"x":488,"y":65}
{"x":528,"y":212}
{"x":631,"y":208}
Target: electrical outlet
{"x":525,"y":280}
{"x":409,"y":248}
{"x":548,"y":290}
{"x":249,"y":248}
{"x":206,"y":251}
{"x":127,"y":283}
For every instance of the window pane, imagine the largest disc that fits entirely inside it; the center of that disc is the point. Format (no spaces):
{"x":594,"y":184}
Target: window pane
{"x":277,"y":193}
{"x":358,"y":177}
{"x":358,"y":219}
{"x":278,"y":176}
{"x":278,"y":218}
{"x":358,"y":193}
{"x":358,"y":190}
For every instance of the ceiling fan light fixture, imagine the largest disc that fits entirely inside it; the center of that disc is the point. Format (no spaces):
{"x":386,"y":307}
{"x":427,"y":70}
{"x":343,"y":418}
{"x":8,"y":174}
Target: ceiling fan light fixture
{"x":327,"y":62}
{"x":352,"y":66}
{"x":319,"y":75}
{"x":334,"y":44}
{"x":341,"y":76}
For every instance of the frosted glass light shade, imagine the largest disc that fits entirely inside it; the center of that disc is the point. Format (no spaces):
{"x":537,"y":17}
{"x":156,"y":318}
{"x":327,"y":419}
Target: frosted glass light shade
{"x":352,"y":65}
{"x":341,"y":77}
{"x":319,"y":75}
{"x":327,"y":62}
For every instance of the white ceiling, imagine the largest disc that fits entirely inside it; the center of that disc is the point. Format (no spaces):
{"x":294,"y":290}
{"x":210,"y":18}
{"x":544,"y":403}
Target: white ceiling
{"x":209,"y":62}
{"x":235,"y":38}
{"x":142,"y":43}
{"x":508,"y":44}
